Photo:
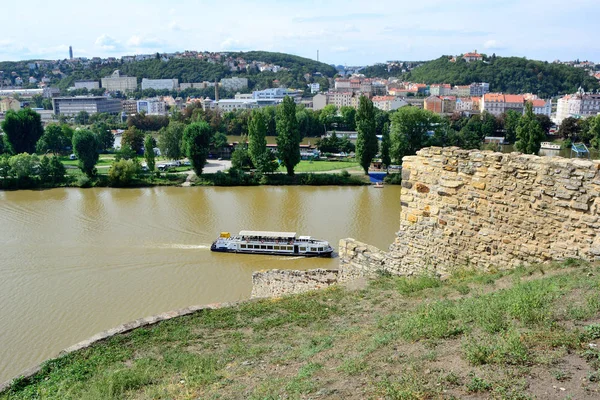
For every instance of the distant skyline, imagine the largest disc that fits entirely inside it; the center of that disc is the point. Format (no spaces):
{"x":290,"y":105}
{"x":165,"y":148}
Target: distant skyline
{"x":345,"y":32}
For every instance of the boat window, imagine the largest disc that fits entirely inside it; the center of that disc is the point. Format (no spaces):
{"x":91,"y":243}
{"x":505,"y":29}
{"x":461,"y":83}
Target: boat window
{"x":243,"y":246}
{"x":290,"y":248}
{"x":276,"y":247}
{"x":302,"y":248}
{"x":270,"y":247}
{"x":263,"y":247}
{"x":320,"y":249}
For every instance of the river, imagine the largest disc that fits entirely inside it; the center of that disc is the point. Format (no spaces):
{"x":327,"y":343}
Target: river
{"x":74,"y":262}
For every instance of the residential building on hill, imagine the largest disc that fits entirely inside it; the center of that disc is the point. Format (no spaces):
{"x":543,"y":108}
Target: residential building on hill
{"x":9,"y":103}
{"x":319,"y":101}
{"x":433,"y":104}
{"x":479,"y":89}
{"x":440,"y":89}
{"x":493,"y":103}
{"x":119,"y":83}
{"x":151,"y":107}
{"x":577,"y":105}
{"x":89,"y":85}
{"x":160,"y":84}
{"x":388,"y":103}
{"x":234,"y":83}
{"x":474,"y":56}
{"x":542,"y":107}
{"x":340,"y":99}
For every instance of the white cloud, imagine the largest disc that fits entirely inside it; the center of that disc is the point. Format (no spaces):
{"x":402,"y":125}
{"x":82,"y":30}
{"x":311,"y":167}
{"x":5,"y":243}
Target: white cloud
{"x":139,"y":41}
{"x":176,"y":27}
{"x":108,"y":43}
{"x":231,"y":44}
{"x":493,"y":44}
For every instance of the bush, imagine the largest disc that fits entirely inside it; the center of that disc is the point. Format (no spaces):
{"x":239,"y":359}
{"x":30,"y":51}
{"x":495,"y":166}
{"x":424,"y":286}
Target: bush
{"x":393,"y":179}
{"x":121,"y":173}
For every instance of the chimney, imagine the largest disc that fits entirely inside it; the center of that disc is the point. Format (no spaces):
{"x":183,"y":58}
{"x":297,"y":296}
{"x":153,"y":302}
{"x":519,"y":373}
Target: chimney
{"x":216,"y":90}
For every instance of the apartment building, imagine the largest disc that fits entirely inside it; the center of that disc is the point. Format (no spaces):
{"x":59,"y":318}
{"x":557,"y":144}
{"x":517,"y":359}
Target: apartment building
{"x":89,"y":85}
{"x":340,"y":99}
{"x":119,"y":83}
{"x":234,"y":83}
{"x":388,"y":103}
{"x":151,"y":107}
{"x":479,"y":89}
{"x":160,"y":84}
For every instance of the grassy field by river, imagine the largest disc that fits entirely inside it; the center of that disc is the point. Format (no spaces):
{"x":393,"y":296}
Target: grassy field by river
{"x":529,"y":333}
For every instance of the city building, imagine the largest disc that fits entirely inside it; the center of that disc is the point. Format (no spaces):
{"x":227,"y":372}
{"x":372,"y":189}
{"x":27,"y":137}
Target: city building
{"x":89,"y":85}
{"x":50,"y":92}
{"x":340,"y":99}
{"x":9,"y":103}
{"x":129,"y":106}
{"x":433,"y":104}
{"x":71,"y":106}
{"x":388,"y":103}
{"x":474,"y":56}
{"x":160,"y":84}
{"x":151,"y":107}
{"x":479,"y":89}
{"x":21,"y":92}
{"x":577,"y":105}
{"x":493,"y":103}
{"x":233,"y":84}
{"x":515,"y":102}
{"x":464,"y":104}
{"x":319,"y":101}
{"x":462,"y":91}
{"x":314,"y":87}
{"x":440,"y":89}
{"x":542,"y":107}
{"x":119,"y":83}
{"x":276,"y":94}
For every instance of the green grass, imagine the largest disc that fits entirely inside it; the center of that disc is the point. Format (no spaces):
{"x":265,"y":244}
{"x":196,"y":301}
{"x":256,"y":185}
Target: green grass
{"x":398,"y":338}
{"x":321,"y":166}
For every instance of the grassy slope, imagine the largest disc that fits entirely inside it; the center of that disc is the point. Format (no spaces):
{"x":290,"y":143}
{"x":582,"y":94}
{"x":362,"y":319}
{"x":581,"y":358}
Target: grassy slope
{"x":518,"y":335}
{"x":321,"y":166}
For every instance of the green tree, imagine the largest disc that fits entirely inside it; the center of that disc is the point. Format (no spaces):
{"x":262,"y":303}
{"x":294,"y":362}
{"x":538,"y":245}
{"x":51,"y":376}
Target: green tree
{"x":257,"y":141}
{"x":219,"y":141}
{"x":105,"y":138}
{"x":149,"y":152}
{"x":594,"y":131}
{"x":366,"y":142}
{"x":122,"y":172}
{"x":23,"y":129}
{"x":57,"y":170}
{"x":44,"y":170}
{"x":169,"y":140}
{"x":23,"y":165}
{"x":348,"y":117}
{"x":240,"y":158}
{"x":569,"y":129}
{"x":288,"y":135}
{"x":196,"y":141}
{"x":385,"y":146}
{"x":134,"y":138}
{"x":511,"y":122}
{"x":85,"y":147}
{"x":410,"y":127}
{"x":53,"y":139}
{"x":82,"y":118}
{"x":529,"y":132}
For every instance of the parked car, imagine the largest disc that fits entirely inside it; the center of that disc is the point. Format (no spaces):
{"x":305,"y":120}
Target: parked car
{"x":72,"y":157}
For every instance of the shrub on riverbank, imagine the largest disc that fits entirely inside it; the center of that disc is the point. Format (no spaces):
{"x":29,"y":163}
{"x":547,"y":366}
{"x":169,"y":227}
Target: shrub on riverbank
{"x":513,"y":334}
{"x":393,"y":179}
{"x":239,"y":178}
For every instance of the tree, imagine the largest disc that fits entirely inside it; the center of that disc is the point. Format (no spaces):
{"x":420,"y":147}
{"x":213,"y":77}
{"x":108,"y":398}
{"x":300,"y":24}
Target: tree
{"x":122,"y":172}
{"x":53,"y":139}
{"x":85,"y":147}
{"x":23,"y":165}
{"x":529,"y":132}
{"x":410,"y":130}
{"x":288,"y":135}
{"x":169,"y":140}
{"x":240,"y":158}
{"x":23,"y":129}
{"x":149,"y":152}
{"x":196,"y":142}
{"x":385,"y":146}
{"x":44,"y":170}
{"x":594,"y":131}
{"x":545,"y":122}
{"x":133,"y":138}
{"x":57,"y":170}
{"x":366,"y":142}
{"x":82,"y":118}
{"x":219,"y":141}
{"x":348,"y":117}
{"x":105,"y":138}
{"x":511,"y":121}
{"x":257,"y":142}
{"x":569,"y":129}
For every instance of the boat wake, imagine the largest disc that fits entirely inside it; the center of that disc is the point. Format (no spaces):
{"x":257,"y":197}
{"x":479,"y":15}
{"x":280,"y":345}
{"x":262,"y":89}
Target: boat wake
{"x":290,"y":258}
{"x":182,"y":246}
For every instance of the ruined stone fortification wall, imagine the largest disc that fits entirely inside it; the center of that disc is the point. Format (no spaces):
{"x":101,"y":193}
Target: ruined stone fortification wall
{"x":359,"y":260}
{"x":487,"y":209}
{"x":276,"y":283}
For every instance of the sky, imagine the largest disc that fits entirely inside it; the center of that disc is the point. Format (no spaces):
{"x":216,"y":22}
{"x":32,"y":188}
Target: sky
{"x":346,"y":32}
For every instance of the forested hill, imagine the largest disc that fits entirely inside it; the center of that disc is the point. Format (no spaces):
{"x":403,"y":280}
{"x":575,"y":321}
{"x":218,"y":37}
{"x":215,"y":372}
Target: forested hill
{"x":188,"y":70}
{"x":505,"y":74}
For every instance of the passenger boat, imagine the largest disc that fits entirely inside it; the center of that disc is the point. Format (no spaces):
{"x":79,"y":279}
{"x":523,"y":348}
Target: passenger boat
{"x":274,"y":243}
{"x":549,"y":146}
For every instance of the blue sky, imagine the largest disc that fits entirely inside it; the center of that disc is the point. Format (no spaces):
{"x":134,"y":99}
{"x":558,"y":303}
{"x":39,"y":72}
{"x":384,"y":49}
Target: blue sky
{"x":345,"y":32}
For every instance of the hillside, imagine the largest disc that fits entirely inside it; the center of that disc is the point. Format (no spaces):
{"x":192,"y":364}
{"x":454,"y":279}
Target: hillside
{"x":186,"y":70}
{"x":505,"y":74}
{"x":521,"y":334}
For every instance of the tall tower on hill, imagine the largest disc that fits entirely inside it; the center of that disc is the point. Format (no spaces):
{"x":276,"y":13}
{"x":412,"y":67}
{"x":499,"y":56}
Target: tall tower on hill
{"x":70,"y":52}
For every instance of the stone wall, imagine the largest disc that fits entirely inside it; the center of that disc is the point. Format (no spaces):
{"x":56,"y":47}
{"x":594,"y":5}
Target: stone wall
{"x":485,"y":209}
{"x":359,"y":260}
{"x":276,"y":283}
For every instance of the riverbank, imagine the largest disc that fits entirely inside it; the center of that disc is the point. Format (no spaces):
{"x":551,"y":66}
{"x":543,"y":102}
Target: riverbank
{"x":530,"y":332}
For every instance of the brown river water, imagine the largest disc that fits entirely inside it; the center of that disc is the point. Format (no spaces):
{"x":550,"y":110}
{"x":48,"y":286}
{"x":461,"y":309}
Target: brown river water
{"x":74,"y":262}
